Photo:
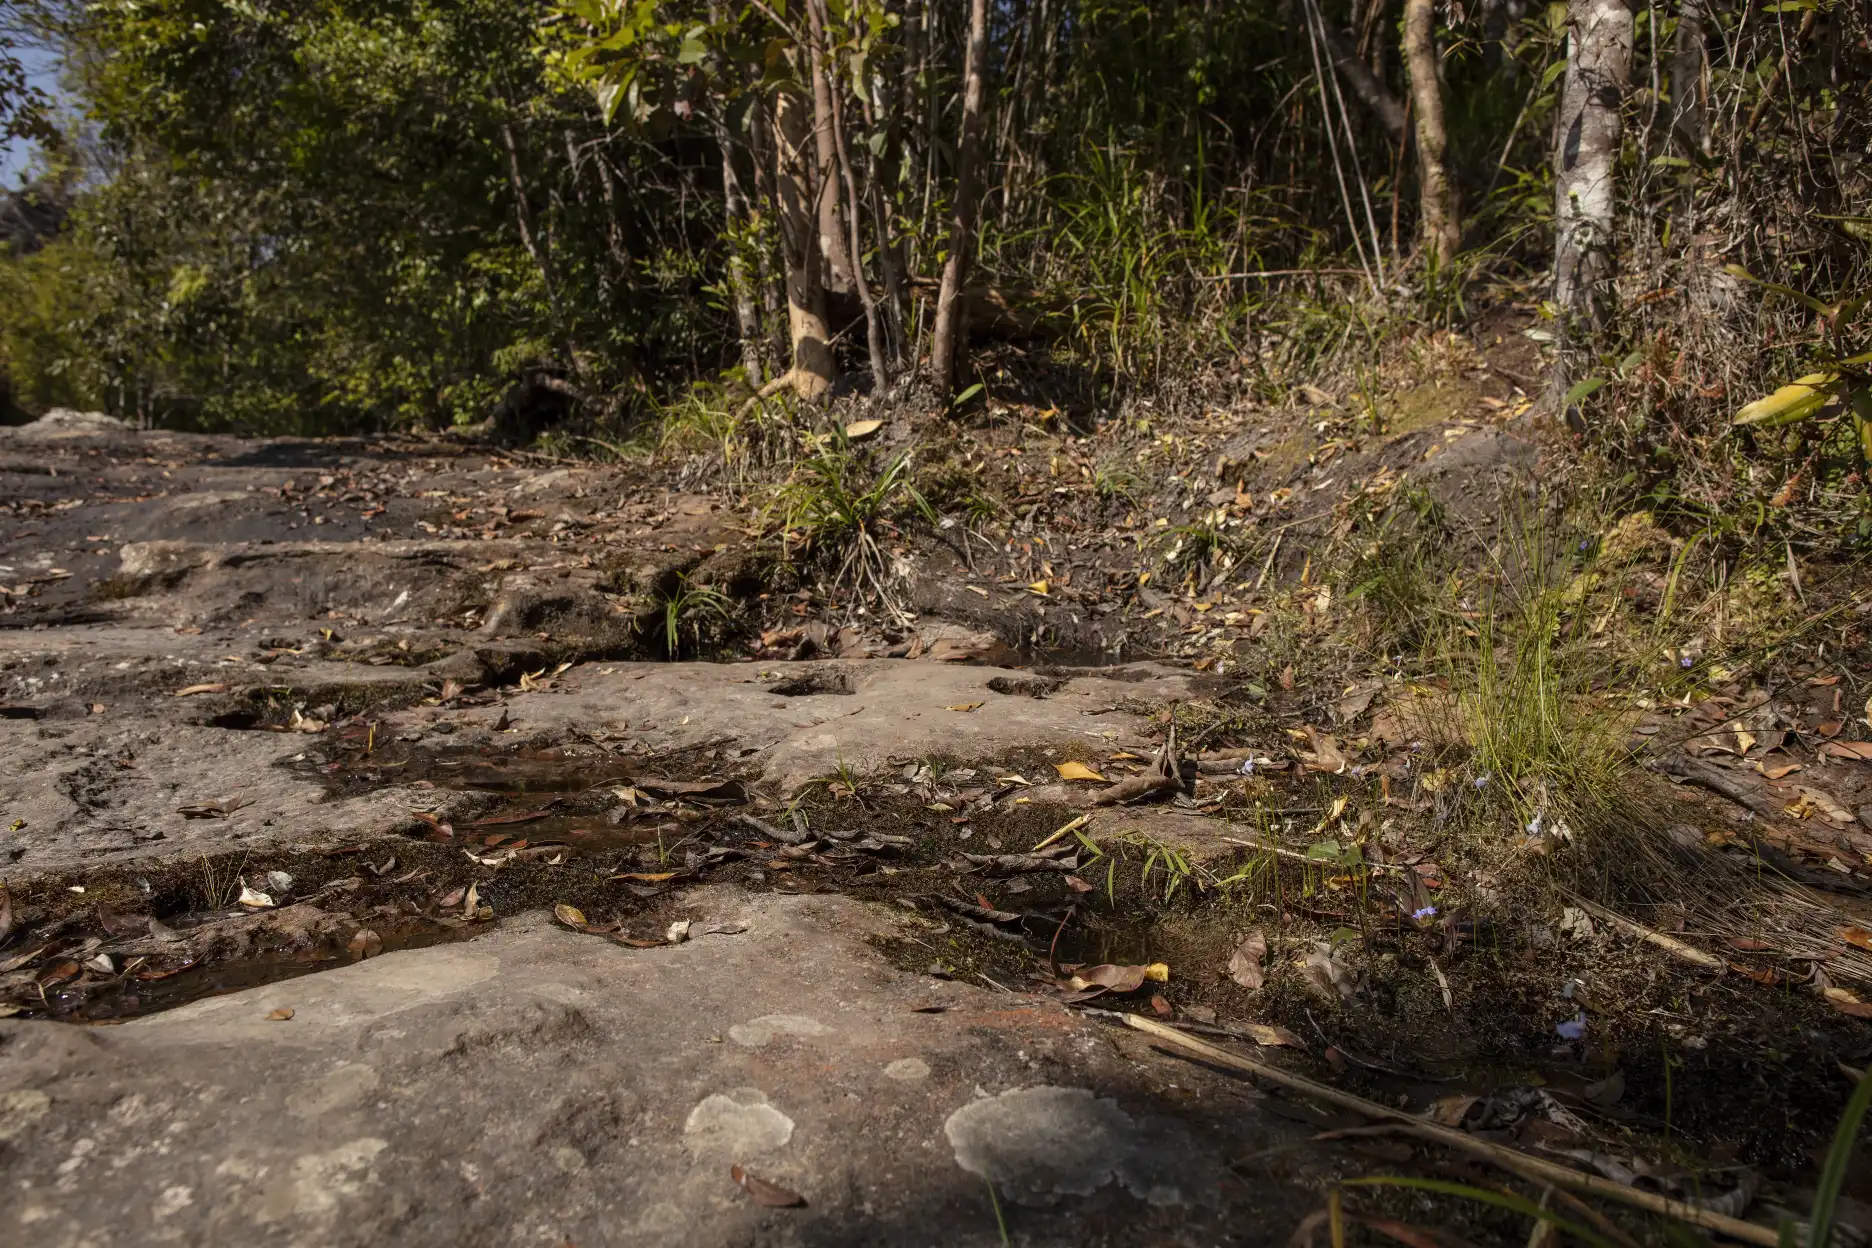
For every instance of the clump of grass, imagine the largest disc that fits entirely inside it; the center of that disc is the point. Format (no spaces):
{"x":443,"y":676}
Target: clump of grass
{"x":836,"y":509}
{"x":691,"y":605}
{"x":1401,"y":573}
{"x":727,"y":439}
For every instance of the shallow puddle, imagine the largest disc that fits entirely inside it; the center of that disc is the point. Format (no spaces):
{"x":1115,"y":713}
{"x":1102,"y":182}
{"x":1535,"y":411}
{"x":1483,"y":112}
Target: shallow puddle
{"x":151,"y":989}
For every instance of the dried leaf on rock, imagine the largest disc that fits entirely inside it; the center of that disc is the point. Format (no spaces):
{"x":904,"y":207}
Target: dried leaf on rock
{"x":771,"y":1195}
{"x":571,"y":916}
{"x":1119,"y":978}
{"x":1077,"y":771}
{"x":964,"y":706}
{"x":707,"y":792}
{"x":280,"y":1015}
{"x":254,"y":900}
{"x":192,"y":690}
{"x":1246,"y":963}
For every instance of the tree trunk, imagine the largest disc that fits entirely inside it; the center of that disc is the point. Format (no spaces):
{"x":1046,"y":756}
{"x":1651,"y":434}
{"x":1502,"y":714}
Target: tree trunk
{"x":874,"y":331}
{"x":1599,"y":52}
{"x":825,"y":180}
{"x":740,"y":277}
{"x":946,"y":349}
{"x":813,"y":369}
{"x":1439,"y":219}
{"x":1687,"y":79}
{"x":541,"y":256}
{"x":766,"y":192}
{"x":1367,"y":86}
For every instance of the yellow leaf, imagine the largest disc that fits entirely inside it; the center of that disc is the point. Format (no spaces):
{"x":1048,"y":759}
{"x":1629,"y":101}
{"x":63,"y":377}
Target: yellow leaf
{"x":1158,"y":972}
{"x":1077,"y":771}
{"x":571,"y":916}
{"x":1788,"y":404}
{"x":1038,"y":587}
{"x":963,"y":706}
{"x":862,"y":429}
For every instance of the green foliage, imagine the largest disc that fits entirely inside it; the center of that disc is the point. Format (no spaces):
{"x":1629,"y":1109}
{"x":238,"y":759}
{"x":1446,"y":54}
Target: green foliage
{"x":839,"y":510}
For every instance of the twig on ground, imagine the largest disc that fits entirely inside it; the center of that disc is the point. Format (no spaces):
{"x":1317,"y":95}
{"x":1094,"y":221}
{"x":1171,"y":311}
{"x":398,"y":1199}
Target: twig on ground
{"x":1533,"y":1169}
{"x":1689,"y":953}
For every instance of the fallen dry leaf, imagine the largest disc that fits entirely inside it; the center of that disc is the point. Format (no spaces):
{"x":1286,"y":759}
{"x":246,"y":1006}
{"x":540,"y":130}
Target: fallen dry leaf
{"x":963,"y":706}
{"x":1119,"y":978}
{"x":1077,"y":771}
{"x":772,"y":1195}
{"x":1326,"y":753}
{"x":280,"y":1015}
{"x":571,"y":916}
{"x":1245,"y":964}
{"x":1860,"y":750}
{"x":1268,"y":1035}
{"x":1449,"y":1111}
{"x":526,"y":816}
{"x":253,"y":900}
{"x":1856,"y":936}
{"x":192,"y":690}
{"x":1826,"y":805}
{"x":862,"y":429}
{"x":365,"y":944}
{"x":1846,"y":1003}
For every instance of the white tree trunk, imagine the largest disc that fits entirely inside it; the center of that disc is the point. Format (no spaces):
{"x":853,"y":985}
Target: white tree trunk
{"x":1586,"y":155}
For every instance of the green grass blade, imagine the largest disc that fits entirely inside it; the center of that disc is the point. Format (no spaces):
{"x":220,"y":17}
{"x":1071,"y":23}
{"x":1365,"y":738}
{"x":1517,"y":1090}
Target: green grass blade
{"x":1833,"y":1174}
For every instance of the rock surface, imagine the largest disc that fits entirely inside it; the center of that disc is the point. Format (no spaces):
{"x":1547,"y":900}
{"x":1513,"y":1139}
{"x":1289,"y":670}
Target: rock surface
{"x":540,"y":1086}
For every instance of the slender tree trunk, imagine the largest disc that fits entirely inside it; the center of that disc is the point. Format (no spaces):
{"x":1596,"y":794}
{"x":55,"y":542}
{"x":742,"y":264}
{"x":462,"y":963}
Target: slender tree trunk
{"x":884,"y":168}
{"x":1586,"y":152}
{"x":740,"y":276}
{"x":874,"y":332}
{"x":1686,"y":77}
{"x":1364,"y":84}
{"x":832,"y":245}
{"x":813,"y":368}
{"x":771,"y":283}
{"x":542,"y":258}
{"x":946,"y":349}
{"x":1439,"y":219}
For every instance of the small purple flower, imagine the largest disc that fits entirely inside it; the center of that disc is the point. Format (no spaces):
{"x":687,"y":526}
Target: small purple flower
{"x":1574,"y":1028}
{"x":1428,"y":912}
{"x":1686,"y":661}
{"x":1481,"y":781}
